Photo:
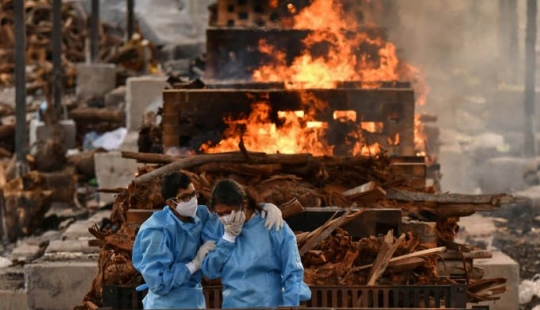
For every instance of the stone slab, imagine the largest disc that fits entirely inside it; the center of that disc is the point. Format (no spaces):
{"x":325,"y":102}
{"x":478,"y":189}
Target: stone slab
{"x":113,"y":171}
{"x":502,"y":266}
{"x":11,"y":278}
{"x":116,"y":98}
{"x":58,"y":285}
{"x":40,"y":132}
{"x":95,"y":80}
{"x":13,"y":300}
{"x":12,"y":288}
{"x":70,"y":246}
{"x":79,"y":229}
{"x":140,"y":93}
{"x":24,"y":251}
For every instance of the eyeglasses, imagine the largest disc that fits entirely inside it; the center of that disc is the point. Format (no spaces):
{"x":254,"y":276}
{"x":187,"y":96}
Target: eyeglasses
{"x":185,"y":197}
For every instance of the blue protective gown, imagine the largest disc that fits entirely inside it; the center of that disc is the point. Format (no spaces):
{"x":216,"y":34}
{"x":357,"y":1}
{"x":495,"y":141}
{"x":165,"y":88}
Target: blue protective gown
{"x":163,"y":247}
{"x":262,"y":268}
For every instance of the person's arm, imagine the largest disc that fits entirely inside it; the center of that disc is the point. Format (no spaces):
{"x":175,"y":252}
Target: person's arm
{"x":292,"y":271}
{"x":214,"y":261}
{"x":153,"y":258}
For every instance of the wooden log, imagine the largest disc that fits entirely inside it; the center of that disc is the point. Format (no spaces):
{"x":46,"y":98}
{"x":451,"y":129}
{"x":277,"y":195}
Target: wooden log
{"x":406,"y":256}
{"x":237,"y":157}
{"x":25,"y":211}
{"x":84,"y":162}
{"x":150,"y":158}
{"x":450,"y":199}
{"x":97,"y":115}
{"x":291,"y":208}
{"x":388,"y":249}
{"x":367,"y":193}
{"x":243,"y":169}
{"x":5,"y":153}
{"x":477,"y":254}
{"x":324,"y":231}
{"x":404,"y":265}
{"x":7,"y":132}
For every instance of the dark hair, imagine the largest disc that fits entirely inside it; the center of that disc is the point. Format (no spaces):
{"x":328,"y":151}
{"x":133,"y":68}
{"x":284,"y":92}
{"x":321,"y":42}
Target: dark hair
{"x":230,"y":193}
{"x":172,"y":182}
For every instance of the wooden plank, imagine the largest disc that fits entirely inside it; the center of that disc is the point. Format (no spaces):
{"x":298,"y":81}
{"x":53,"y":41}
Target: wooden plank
{"x":386,"y":252}
{"x":449,"y":199}
{"x":476,"y":254}
{"x":366,"y":193}
{"x":406,"y":256}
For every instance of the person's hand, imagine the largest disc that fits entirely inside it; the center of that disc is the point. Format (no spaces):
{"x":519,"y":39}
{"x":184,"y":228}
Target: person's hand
{"x":202,"y":252}
{"x":273,"y":216}
{"x":233,"y":225}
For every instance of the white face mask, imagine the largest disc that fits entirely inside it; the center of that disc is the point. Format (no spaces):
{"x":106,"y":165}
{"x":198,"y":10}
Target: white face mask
{"x":188,"y":208}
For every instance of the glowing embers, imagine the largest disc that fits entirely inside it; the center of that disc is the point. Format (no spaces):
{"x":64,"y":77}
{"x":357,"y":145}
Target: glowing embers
{"x":295,"y":133}
{"x":299,"y":131}
{"x":373,"y":127}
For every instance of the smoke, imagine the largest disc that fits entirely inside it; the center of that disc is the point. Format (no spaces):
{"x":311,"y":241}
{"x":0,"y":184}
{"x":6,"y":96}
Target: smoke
{"x":469,"y":59}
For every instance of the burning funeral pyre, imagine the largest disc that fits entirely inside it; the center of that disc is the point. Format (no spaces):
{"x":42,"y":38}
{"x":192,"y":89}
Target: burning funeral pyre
{"x":323,"y":124}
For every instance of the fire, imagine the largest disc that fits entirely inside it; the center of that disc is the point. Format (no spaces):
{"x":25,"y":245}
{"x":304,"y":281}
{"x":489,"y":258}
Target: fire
{"x":297,"y":134}
{"x":338,"y":35}
{"x":344,"y":116}
{"x":341,"y":62}
{"x":373,"y":126}
{"x":419,"y":136}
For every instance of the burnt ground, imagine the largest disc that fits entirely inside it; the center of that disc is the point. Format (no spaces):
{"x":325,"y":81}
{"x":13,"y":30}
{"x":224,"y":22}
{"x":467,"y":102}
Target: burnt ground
{"x":519,"y":238}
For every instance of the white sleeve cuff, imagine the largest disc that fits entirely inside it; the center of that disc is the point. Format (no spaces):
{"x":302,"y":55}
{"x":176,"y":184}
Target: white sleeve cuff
{"x":192,"y":268}
{"x":229,"y":237}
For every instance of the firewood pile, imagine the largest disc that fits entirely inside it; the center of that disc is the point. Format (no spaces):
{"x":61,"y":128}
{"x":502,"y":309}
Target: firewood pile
{"x":331,"y":256}
{"x":75,"y":31}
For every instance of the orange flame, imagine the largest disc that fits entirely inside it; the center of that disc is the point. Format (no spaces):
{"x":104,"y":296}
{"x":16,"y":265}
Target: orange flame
{"x":340,"y":63}
{"x":299,"y":131}
{"x":296,"y":135}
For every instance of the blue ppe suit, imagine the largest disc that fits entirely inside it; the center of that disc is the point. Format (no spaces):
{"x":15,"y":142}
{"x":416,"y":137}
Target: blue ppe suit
{"x":262,"y":268}
{"x":163,"y":246}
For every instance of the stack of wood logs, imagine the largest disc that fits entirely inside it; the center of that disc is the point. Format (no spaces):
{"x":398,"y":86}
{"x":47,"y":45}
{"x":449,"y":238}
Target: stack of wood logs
{"x":74,"y":34}
{"x":330,"y":255}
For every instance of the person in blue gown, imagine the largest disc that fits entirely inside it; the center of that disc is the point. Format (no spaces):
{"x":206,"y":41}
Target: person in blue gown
{"x":258,"y":267}
{"x":169,"y":248}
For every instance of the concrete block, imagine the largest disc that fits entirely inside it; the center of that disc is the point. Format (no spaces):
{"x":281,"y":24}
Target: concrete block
{"x":131,"y":142}
{"x":79,"y":229}
{"x":502,"y":266}
{"x":70,"y":246}
{"x":116,"y":98}
{"x":25,"y":251}
{"x":141,"y":92}
{"x":58,"y":285}
{"x":113,"y":171}
{"x":40,"y":132}
{"x":12,"y":292}
{"x":95,"y":80}
{"x":13,"y":300}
